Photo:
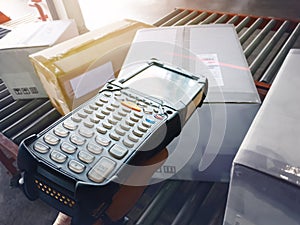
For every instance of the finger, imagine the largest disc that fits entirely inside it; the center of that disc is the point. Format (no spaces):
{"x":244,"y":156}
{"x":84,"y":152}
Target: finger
{"x":62,"y":219}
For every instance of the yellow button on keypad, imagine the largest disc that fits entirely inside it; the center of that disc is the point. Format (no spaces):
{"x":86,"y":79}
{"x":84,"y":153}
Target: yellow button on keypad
{"x":131,"y":105}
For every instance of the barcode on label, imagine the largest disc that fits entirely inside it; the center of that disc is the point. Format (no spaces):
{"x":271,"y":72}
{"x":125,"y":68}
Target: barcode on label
{"x":25,"y":90}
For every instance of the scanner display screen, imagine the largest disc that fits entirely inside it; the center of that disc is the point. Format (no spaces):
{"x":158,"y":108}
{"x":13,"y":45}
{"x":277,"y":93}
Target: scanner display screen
{"x":164,"y":84}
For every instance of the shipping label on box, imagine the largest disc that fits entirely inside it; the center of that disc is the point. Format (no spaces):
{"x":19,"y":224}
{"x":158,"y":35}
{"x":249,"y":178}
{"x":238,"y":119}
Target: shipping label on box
{"x":210,"y":139}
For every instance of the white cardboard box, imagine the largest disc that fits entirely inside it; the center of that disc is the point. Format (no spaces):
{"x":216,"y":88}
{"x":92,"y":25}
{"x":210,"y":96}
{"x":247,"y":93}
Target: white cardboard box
{"x":265,"y":180}
{"x":209,"y":141}
{"x":16,"y":69}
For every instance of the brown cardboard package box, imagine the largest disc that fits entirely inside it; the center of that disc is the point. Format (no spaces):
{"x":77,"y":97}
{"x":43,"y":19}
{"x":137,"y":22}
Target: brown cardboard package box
{"x":74,"y":71}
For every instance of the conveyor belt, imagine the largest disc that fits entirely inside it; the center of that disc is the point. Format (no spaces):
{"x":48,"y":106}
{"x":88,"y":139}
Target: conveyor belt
{"x":3,"y":32}
{"x":266,"y":42}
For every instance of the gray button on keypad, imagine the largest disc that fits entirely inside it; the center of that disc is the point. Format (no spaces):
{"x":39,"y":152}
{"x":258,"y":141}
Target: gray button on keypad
{"x":112,"y":121}
{"x":110,"y":108}
{"x":120,"y":131}
{"x":76,"y":118}
{"x":102,"y":141}
{"x":94,"y":119}
{"x":86,"y":157}
{"x":58,"y":156}
{"x":129,"y":122}
{"x":93,"y":106}
{"x":134,"y":119}
{"x":128,"y":143}
{"x":82,"y":114}
{"x":75,"y":139}
{"x":127,"y":110}
{"x":51,"y":139}
{"x":101,"y":170}
{"x":133,"y":138}
{"x":148,"y":110}
{"x":115,"y":104}
{"x":76,"y":166}
{"x":117,"y":117}
{"x":107,"y":125}
{"x":94,"y":148}
{"x":99,"y":103}
{"x":88,"y":124}
{"x":146,"y":124}
{"x":40,"y":147}
{"x":118,"y":93}
{"x":138,"y":114}
{"x":120,"y":98}
{"x":105,"y":112}
{"x":68,"y":124}
{"x":125,"y":126}
{"x":88,"y":110}
{"x":85,"y":132}
{"x":101,"y":130}
{"x":104,"y":99}
{"x":122,"y":113}
{"x":137,"y":133}
{"x":68,"y":148}
{"x":60,"y":131}
{"x":114,"y":136}
{"x":107,"y":94}
{"x":142,"y":128}
{"x":100,"y":115}
{"x":118,"y":152}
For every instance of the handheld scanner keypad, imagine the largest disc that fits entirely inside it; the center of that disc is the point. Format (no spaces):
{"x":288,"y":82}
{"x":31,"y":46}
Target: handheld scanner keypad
{"x":92,"y":142}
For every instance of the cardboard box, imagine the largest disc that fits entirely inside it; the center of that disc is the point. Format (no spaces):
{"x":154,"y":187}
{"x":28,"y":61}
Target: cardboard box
{"x":265,"y":180}
{"x":16,"y":69}
{"x":209,"y":141}
{"x":73,"y":71}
